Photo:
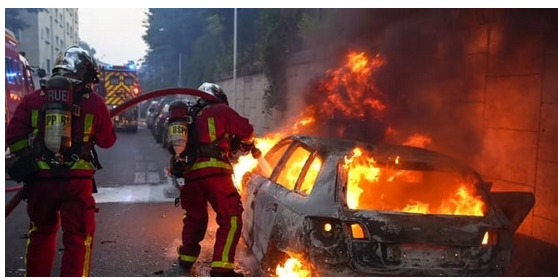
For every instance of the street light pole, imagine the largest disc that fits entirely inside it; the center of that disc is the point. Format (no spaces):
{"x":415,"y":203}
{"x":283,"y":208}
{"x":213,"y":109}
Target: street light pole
{"x":179,"y":82}
{"x":180,"y":70}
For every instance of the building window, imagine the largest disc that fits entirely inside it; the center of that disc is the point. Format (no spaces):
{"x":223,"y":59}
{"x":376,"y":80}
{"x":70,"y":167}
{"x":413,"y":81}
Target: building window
{"x":47,"y":34}
{"x":48,"y":65}
{"x":57,"y":41}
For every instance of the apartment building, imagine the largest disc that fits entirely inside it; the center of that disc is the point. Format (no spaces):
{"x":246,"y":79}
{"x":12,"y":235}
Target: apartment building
{"x":49,"y":32}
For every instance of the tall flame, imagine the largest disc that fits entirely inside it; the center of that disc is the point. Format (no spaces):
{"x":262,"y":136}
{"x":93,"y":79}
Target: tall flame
{"x":348,"y":95}
{"x":347,"y":104}
{"x":347,"y":92}
{"x":345,"y":97}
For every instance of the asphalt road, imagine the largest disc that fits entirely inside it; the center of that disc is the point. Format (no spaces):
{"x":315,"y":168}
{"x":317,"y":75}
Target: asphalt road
{"x":138,"y":227}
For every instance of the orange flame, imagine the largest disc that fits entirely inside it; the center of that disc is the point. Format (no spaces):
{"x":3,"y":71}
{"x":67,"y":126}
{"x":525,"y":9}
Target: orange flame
{"x":418,"y":140}
{"x":350,"y":93}
{"x":353,"y":81}
{"x":370,"y":187}
{"x":292,"y":268}
{"x":248,"y":163}
{"x":347,"y":92}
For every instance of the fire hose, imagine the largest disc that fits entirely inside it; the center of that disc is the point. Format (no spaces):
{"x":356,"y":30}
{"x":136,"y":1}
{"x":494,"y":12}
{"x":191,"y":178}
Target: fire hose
{"x":15,"y":200}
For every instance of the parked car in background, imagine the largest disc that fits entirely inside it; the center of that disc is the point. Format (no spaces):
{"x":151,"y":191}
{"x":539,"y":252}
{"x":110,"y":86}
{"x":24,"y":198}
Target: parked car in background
{"x":351,"y":208}
{"x":158,"y":126}
{"x":155,"y":115}
{"x":149,"y":117}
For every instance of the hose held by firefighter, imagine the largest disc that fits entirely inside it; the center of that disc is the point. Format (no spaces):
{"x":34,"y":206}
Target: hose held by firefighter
{"x":202,"y":139}
{"x":53,"y":134}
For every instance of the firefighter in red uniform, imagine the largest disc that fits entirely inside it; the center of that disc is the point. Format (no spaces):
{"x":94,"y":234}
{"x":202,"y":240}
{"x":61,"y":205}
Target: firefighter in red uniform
{"x":209,"y":179}
{"x":64,"y":119}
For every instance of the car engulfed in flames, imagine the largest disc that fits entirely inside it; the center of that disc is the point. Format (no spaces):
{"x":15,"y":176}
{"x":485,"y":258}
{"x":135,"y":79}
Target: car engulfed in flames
{"x":327,"y":199}
{"x":345,"y":207}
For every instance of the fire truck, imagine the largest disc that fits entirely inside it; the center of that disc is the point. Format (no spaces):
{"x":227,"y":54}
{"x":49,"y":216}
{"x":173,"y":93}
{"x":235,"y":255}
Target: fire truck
{"x":18,"y":75}
{"x":118,"y":84}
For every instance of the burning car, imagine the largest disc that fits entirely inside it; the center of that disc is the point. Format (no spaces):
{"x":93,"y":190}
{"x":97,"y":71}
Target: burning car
{"x":342,"y":207}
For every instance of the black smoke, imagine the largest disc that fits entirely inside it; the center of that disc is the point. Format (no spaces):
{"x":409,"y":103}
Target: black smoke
{"x":435,"y":76}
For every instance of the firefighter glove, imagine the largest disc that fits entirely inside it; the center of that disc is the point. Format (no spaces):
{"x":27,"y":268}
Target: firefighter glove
{"x":22,"y":167}
{"x":177,"y":166}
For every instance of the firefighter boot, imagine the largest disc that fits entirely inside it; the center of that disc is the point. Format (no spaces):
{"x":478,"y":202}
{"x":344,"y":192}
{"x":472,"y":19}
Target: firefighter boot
{"x":182,"y":263}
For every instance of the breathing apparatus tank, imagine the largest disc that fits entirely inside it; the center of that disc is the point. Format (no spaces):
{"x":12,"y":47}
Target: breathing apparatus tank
{"x":58,"y":115}
{"x":178,"y":126}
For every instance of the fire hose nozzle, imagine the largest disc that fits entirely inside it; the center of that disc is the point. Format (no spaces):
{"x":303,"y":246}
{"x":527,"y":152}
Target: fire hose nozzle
{"x":256,"y":153}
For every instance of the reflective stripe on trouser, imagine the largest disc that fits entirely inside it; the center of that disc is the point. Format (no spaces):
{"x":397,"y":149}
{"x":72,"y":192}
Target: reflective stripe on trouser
{"x":65,"y":202}
{"x":220,"y":192}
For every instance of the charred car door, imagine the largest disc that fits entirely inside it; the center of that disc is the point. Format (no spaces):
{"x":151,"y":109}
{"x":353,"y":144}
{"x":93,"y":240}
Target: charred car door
{"x":260,"y":197}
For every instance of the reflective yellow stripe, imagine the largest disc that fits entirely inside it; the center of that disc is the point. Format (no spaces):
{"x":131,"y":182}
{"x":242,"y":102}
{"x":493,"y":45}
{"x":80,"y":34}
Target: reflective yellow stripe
{"x":211,"y":128}
{"x":223,"y":264}
{"x":19,"y":145}
{"x":187,"y":258}
{"x":230,"y":236}
{"x":82,"y":165}
{"x":31,"y":230}
{"x":34,"y":119}
{"x":79,"y":165}
{"x":87,"y":126}
{"x":211,"y":163}
{"x":43,"y":165}
{"x":86,"y":263}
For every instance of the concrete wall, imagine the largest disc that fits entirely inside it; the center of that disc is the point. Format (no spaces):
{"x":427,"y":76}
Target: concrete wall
{"x":248,"y":102}
{"x":511,"y":105}
{"x":521,"y":123}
